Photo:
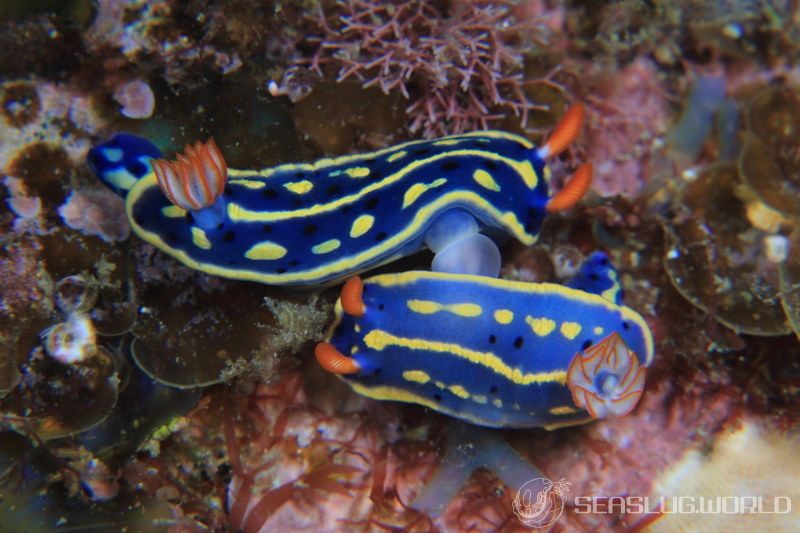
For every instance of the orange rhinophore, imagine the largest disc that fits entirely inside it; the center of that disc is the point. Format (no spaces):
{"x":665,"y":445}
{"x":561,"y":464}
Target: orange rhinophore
{"x":606,"y":379}
{"x":195,"y":179}
{"x":351,"y":297}
{"x":573,"y":191}
{"x":565,"y":132}
{"x":333,"y":361}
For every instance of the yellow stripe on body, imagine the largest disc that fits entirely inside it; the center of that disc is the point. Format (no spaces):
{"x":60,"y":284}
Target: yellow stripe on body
{"x":173,"y":211}
{"x":564,"y":410}
{"x":378,"y":340}
{"x":398,"y":155}
{"x":326,"y":247}
{"x":417,"y":376}
{"x":504,"y":316}
{"x":250,"y":184}
{"x":485,"y":180}
{"x":428,"y":307}
{"x":299,"y":187}
{"x":361,"y":225}
{"x":418,"y":189}
{"x":357,"y":172}
{"x":266,"y":250}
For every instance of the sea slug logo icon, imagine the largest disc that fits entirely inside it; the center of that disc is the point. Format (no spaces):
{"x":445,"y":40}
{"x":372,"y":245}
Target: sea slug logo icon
{"x":539,"y":502}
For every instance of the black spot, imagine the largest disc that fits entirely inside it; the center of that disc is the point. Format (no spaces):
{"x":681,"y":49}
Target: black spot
{"x":280,"y":270}
{"x":299,"y":174}
{"x":625,"y":325}
{"x":530,"y":227}
{"x":228,"y":190}
{"x":231,"y":261}
{"x":437,"y":397}
{"x":139,"y":219}
{"x":137,"y":168}
{"x":489,"y":164}
{"x":269,"y":194}
{"x":266,"y":228}
{"x":449,"y":166}
{"x":229,"y":236}
{"x":345,"y":208}
{"x":377,"y":176}
{"x":334,"y":190}
{"x":376,"y":372}
{"x":603,"y":261}
{"x":533,"y":214}
{"x":381,"y":307}
{"x":493,"y":389}
{"x":380,"y":236}
{"x":172,"y":238}
{"x":518,"y":342}
{"x":294,"y":262}
{"x":220,"y":226}
{"x":297,"y":202}
{"x":422,"y":153}
{"x":311,"y":229}
{"x":492,"y":339}
{"x":586,"y":344}
{"x":189,"y":217}
{"x":369,"y":160}
{"x":371,"y":203}
{"x":593,"y":276}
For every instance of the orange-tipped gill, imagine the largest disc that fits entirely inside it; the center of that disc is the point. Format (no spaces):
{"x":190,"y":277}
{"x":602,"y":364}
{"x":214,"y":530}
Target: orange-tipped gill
{"x":565,"y":132}
{"x":333,"y":361}
{"x":572,"y":191}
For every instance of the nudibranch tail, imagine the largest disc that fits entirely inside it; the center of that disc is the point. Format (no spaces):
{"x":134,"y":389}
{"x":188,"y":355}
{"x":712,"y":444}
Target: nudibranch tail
{"x":606,"y":379}
{"x":332,"y":360}
{"x":573,"y":190}
{"x":352,"y":297}
{"x":564,"y":133}
{"x":195,"y":179}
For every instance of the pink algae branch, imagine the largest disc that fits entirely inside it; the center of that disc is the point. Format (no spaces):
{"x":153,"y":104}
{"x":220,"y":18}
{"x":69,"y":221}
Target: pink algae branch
{"x":460,"y":63}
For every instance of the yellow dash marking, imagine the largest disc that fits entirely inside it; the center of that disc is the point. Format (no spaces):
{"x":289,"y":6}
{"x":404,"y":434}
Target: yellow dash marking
{"x":516,"y":407}
{"x":563,"y":410}
{"x":504,"y":316}
{"x":266,"y":250}
{"x":427,"y":307}
{"x":446,"y":142}
{"x":440,"y":385}
{"x":479,"y":398}
{"x":353,"y":350}
{"x":417,"y":376}
{"x":325,"y":247}
{"x":357,"y":172}
{"x":199,"y":238}
{"x":498,"y":403}
{"x":541,"y":326}
{"x":597,"y":330}
{"x":485,"y":180}
{"x":357,"y":328}
{"x":570,"y":330}
{"x":299,"y":187}
{"x":416,"y":190}
{"x":173,"y":211}
{"x":459,"y":391}
{"x":361,"y":225}
{"x":396,"y":156}
{"x":378,"y":340}
{"x":250,"y":184}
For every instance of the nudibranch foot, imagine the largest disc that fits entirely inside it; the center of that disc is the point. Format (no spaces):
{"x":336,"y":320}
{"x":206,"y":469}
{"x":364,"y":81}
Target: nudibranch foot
{"x":606,"y":379}
{"x":598,"y":276}
{"x":460,"y":248}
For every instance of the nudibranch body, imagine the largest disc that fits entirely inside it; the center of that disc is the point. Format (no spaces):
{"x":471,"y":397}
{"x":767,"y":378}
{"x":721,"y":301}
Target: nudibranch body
{"x":318,"y":223}
{"x":489,"y":351}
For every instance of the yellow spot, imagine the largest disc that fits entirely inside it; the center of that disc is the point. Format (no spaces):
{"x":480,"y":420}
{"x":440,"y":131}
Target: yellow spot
{"x":173,"y":211}
{"x":440,"y":385}
{"x":547,"y":174}
{"x":199,"y":238}
{"x":516,"y":407}
{"x":357,"y":172}
{"x":361,"y":225}
{"x":597,"y":330}
{"x":357,"y":328}
{"x":427,"y":307}
{"x":479,"y":398}
{"x":485,"y":180}
{"x":266,"y":250}
{"x":504,"y":316}
{"x":396,"y":156}
{"x":498,"y":403}
{"x":417,"y":376}
{"x":563,"y":410}
{"x":299,"y":187}
{"x":541,"y":326}
{"x":570,"y":330}
{"x":378,"y":340}
{"x":353,"y":350}
{"x":459,"y":391}
{"x":416,"y":190}
{"x":250,"y":184}
{"x":325,"y":247}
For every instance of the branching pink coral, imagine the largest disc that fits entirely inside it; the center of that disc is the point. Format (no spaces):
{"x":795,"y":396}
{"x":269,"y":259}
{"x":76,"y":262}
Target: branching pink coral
{"x":459,"y":63}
